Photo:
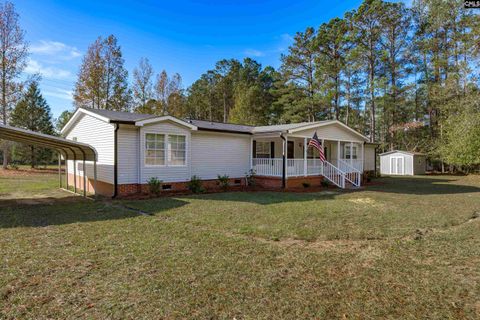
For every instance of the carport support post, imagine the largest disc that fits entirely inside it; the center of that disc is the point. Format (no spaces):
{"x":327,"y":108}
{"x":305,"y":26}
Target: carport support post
{"x":95,"y":176}
{"x":59,"y":170}
{"x":84,"y":177}
{"x":74,"y":173}
{"x":66,"y":170}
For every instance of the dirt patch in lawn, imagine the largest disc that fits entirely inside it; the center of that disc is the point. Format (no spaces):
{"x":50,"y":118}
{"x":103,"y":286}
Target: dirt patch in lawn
{"x":26,"y":172}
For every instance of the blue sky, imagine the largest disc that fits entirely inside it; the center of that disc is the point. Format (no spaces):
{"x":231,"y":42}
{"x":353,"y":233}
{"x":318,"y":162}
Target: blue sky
{"x":187,"y":37}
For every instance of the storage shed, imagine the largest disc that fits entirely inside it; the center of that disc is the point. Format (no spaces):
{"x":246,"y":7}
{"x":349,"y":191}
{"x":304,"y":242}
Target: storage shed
{"x":402,"y":163}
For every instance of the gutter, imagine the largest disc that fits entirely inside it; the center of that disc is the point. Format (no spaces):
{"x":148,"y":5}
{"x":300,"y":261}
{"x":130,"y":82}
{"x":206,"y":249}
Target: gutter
{"x":284,"y":174}
{"x":115,"y":161}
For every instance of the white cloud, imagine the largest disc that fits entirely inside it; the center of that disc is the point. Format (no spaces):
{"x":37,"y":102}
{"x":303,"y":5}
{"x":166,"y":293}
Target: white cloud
{"x":59,"y":93}
{"x":35,"y":67}
{"x":254,"y":53}
{"x":54,"y":48}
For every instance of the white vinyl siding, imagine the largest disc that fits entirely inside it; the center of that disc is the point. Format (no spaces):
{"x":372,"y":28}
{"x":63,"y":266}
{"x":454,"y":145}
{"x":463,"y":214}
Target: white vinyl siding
{"x":99,"y":135}
{"x":168,"y":172}
{"x":128,"y":154}
{"x":332,"y":131}
{"x":369,"y":156}
{"x":216,"y":154}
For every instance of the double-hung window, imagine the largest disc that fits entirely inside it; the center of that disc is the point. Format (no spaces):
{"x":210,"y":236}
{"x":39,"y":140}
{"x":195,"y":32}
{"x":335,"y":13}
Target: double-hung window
{"x":177,"y":150}
{"x":350,"y":153}
{"x":164,"y":150}
{"x":155,"y":149}
{"x":263,"y":149}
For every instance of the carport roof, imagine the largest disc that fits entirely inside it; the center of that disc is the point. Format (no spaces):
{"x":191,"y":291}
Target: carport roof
{"x":72,"y":149}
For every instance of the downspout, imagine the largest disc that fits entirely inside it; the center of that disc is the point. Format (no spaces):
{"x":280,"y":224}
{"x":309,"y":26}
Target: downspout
{"x":284,"y":175}
{"x":375,"y":157}
{"x":115,"y":160}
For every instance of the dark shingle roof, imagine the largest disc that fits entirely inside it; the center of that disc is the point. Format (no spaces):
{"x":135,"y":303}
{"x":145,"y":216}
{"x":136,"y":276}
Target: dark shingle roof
{"x":219,"y":126}
{"x":121,"y":116}
{"x":132,"y":117}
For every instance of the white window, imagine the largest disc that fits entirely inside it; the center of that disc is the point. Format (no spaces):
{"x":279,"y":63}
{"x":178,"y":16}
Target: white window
{"x":177,"y":150}
{"x":155,"y":149}
{"x":352,"y":154}
{"x":263,"y":149}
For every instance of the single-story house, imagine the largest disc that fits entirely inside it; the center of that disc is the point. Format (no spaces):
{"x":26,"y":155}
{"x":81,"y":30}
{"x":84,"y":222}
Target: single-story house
{"x":403,"y":163}
{"x":132,"y":148}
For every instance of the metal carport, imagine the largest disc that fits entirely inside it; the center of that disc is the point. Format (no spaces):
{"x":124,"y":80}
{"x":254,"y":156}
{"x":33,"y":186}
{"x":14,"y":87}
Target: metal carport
{"x":70,"y":150}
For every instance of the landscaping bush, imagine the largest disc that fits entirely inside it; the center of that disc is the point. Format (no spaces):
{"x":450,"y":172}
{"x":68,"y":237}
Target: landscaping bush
{"x":195,"y":185}
{"x":306,"y":184}
{"x":223,"y":181}
{"x":250,"y":177}
{"x":154,"y":185}
{"x":325,"y":183}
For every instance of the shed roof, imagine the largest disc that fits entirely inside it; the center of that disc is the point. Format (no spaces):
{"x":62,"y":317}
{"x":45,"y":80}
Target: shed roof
{"x":72,"y":149}
{"x":402,"y":151}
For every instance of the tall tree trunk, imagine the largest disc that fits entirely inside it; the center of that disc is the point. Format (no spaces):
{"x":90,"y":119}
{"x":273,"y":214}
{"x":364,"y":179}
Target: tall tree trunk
{"x":372,"y":97}
{"x":4,"y":111}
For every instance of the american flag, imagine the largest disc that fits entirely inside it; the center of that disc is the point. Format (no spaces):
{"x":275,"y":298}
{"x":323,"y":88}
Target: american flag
{"x":314,"y":142}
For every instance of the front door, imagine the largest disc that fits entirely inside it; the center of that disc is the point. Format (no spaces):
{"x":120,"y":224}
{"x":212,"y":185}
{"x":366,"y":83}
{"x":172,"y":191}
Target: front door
{"x":290,"y":149}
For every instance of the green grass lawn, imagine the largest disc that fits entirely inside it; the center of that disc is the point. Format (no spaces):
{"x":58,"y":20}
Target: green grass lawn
{"x":327,"y":255}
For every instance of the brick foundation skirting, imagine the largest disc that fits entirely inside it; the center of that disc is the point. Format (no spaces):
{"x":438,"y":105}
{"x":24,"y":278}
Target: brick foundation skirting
{"x":209,"y":185}
{"x":291,"y":182}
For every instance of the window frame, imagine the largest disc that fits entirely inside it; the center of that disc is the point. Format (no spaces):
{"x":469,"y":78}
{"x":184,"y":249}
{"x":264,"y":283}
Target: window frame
{"x":145,"y":150}
{"x":167,"y":150}
{"x":347,"y":147}
{"x":269,"y":148}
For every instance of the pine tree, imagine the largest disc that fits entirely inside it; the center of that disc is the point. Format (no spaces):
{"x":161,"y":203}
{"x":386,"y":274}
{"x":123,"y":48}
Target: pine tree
{"x":299,"y":66}
{"x":13,"y":57}
{"x":33,"y":113}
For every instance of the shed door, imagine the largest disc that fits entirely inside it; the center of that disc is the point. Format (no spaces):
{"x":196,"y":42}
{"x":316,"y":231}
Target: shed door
{"x":397,"y":165}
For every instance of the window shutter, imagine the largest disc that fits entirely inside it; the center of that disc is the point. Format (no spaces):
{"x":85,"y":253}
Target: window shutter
{"x":272,"y":149}
{"x":254,"y":151}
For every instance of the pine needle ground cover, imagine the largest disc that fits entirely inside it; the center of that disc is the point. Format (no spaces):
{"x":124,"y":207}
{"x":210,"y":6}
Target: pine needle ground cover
{"x":405,"y":248}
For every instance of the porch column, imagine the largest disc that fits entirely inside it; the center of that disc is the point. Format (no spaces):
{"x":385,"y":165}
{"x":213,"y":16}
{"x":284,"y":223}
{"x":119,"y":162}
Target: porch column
{"x":285,"y":150}
{"x":305,"y":173}
{"x":251,"y":153}
{"x":363,"y":155}
{"x":351,"y":154}
{"x":338,"y":152}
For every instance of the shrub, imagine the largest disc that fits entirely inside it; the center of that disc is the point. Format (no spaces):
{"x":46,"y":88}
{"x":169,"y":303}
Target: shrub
{"x":195,"y":185}
{"x":223,"y":181}
{"x":250,"y":177}
{"x":154,"y":185}
{"x":14,"y":166}
{"x":306,"y":184}
{"x":325,"y":183}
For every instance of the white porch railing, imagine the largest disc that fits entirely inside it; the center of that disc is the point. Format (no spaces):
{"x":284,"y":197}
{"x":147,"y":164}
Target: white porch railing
{"x":351,"y":174}
{"x":333,"y":174}
{"x":357,"y":164}
{"x":296,"y":168}
{"x":268,"y":166}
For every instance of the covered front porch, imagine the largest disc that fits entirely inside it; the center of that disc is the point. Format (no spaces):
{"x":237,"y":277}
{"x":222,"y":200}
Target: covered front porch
{"x":344,"y":158}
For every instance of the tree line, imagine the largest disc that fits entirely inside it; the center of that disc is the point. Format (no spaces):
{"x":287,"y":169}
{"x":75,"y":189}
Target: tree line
{"x":407,"y":77}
